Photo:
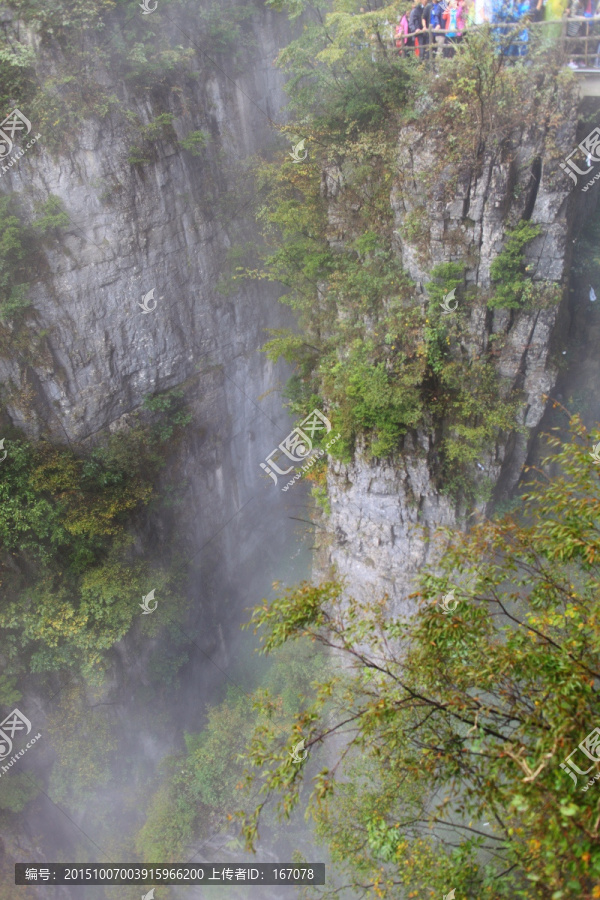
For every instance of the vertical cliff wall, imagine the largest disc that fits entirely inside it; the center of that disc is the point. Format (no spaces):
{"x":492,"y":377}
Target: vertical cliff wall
{"x":385,"y":512}
{"x":160,"y":219}
{"x":163,"y":225}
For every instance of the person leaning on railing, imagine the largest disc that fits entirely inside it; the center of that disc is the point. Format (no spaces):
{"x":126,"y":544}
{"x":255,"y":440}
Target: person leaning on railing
{"x":454,"y":26}
{"x":436,"y":22}
{"x":425,"y":22}
{"x":537,"y":10}
{"x":468,"y":14}
{"x":526,"y":10}
{"x":401,"y":32}
{"x":512,"y":19}
{"x":582,"y":30}
{"x":415,"y":26}
{"x":516,"y":12}
{"x":575,"y":25}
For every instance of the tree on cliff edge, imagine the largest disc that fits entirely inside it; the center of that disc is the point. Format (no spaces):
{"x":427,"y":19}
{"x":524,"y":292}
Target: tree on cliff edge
{"x":445,"y":733}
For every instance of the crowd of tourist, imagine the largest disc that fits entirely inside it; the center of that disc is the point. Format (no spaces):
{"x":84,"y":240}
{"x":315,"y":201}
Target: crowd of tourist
{"x":443,"y":23}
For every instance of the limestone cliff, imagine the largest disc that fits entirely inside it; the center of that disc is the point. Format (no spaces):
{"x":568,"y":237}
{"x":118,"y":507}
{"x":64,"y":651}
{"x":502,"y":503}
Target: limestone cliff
{"x":86,"y":355}
{"x":384,"y":513}
{"x":163,"y":225}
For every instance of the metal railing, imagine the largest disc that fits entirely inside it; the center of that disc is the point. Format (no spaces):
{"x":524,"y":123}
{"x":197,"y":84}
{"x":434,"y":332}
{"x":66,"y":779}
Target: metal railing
{"x":583,"y":48}
{"x":515,"y":39}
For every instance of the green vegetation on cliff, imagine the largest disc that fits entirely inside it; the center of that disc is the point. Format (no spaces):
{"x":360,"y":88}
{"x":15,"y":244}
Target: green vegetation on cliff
{"x":15,"y":261}
{"x":380,"y":354}
{"x":77,"y":556}
{"x":454,"y":725}
{"x":153,"y":55}
{"x":71,"y":578}
{"x":198,"y":792}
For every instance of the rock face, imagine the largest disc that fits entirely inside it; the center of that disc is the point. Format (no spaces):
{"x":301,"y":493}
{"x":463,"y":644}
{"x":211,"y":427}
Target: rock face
{"x":385,"y":513}
{"x":382,"y":516}
{"x":164,"y":226}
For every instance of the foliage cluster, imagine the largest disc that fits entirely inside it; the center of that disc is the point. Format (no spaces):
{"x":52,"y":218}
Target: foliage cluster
{"x":507,"y":270}
{"x":56,"y":20}
{"x":17,"y":76}
{"x":201,"y":790}
{"x":481,"y":100}
{"x":195,"y":141}
{"x":20,"y":254}
{"x":16,"y":246}
{"x":82,"y":735}
{"x":110,"y":35}
{"x":91,"y":35}
{"x":370,"y":350}
{"x":446,"y":732}
{"x":174,"y":415}
{"x":227,"y":28}
{"x":383,"y":363}
{"x":161,"y":127}
{"x":70,"y":578}
{"x":53,"y":215}
{"x":17,"y":791}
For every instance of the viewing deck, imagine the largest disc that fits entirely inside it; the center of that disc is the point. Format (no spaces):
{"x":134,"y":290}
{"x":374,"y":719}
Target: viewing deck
{"x":580,"y":51}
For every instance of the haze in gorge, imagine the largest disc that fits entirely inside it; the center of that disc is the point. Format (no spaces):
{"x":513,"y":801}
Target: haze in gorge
{"x":299,"y":450}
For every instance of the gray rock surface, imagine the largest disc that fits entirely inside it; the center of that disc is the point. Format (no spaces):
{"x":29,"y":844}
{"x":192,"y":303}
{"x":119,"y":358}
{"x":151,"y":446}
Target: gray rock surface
{"x":385,"y":513}
{"x":164,"y":226}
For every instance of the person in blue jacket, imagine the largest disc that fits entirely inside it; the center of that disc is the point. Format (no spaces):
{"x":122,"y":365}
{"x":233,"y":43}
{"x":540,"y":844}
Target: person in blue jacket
{"x":436,"y":20}
{"x":526,"y":11}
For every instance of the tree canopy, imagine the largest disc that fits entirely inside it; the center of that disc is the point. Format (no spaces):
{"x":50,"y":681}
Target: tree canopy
{"x":447,"y":729}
